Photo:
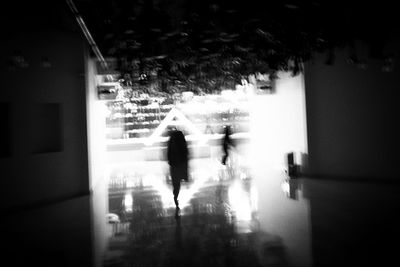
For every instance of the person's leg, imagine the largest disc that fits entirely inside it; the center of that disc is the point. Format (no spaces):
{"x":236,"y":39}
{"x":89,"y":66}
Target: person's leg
{"x":225,"y":156}
{"x":176,"y":188}
{"x":176,"y":193}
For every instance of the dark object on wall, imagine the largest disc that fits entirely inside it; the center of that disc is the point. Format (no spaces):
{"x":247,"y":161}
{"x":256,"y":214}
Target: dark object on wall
{"x":294,"y":189}
{"x":292,"y":167}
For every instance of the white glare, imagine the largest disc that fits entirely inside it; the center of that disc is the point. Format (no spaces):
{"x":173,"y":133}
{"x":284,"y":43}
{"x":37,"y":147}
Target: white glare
{"x":240,"y":202}
{"x":128,"y":202}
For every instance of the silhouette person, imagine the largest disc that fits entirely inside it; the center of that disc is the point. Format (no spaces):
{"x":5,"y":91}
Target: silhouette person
{"x":227,"y":144}
{"x":177,"y":154}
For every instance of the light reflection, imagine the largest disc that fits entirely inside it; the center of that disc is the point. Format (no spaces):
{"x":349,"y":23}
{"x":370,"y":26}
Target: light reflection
{"x":290,"y":187}
{"x":254,"y":198}
{"x":186,"y":194}
{"x":239,"y":201}
{"x":162,"y":189}
{"x":286,"y":187}
{"x":187,"y":190}
{"x":128,"y":202}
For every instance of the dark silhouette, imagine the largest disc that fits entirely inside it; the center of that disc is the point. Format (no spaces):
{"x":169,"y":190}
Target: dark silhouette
{"x":178,"y":233}
{"x":227,"y":143}
{"x":178,"y":161}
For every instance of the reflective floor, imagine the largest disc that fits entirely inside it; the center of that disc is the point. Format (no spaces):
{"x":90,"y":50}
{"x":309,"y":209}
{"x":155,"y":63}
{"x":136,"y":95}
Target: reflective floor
{"x":260,"y":219}
{"x":220,"y":221}
{"x":246,"y":214}
{"x":207,"y":230}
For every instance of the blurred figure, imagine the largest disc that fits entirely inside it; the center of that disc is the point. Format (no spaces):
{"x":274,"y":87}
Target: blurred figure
{"x":208,"y":126}
{"x":177,"y":154}
{"x":227,"y":143}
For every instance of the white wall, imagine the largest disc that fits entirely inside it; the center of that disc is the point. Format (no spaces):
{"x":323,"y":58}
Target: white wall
{"x":97,"y":162}
{"x":278,"y":126}
{"x":278,"y":121}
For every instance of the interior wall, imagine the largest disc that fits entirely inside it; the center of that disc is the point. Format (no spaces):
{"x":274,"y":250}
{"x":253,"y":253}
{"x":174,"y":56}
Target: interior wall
{"x":97,"y":161}
{"x":351,"y":117}
{"x":28,"y":175}
{"x":44,"y":181}
{"x":278,"y":126}
{"x":278,"y":122}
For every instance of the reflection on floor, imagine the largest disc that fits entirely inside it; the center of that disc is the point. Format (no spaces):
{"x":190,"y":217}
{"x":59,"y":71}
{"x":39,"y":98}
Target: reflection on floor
{"x":217,"y":225}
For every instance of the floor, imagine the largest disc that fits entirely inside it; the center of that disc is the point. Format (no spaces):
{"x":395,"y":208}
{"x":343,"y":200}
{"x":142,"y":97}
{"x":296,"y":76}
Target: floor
{"x":230,"y":216}
{"x":220,"y":222}
{"x":247,"y":215}
{"x":206,"y":232}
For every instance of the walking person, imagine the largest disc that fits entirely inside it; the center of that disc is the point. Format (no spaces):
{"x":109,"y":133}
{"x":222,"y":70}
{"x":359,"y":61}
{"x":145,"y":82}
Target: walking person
{"x":227,"y":144}
{"x":177,"y":154}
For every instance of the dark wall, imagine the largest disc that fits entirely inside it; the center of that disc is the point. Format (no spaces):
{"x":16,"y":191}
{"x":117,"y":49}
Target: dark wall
{"x":47,"y":145}
{"x":44,"y":181}
{"x":352,"y":117}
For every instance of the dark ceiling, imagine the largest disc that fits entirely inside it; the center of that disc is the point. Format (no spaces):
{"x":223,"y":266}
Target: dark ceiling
{"x":207,"y":43}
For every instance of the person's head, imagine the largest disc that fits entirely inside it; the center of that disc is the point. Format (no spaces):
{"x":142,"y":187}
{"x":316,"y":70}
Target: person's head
{"x":177,"y":135}
{"x":177,"y":142}
{"x":227,"y":129}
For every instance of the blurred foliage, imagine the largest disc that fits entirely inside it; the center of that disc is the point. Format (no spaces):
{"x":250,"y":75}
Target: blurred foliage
{"x":205,"y":45}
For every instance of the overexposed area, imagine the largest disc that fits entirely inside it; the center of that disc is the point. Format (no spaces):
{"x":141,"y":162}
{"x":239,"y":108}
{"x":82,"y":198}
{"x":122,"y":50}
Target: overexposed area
{"x":266,"y":127}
